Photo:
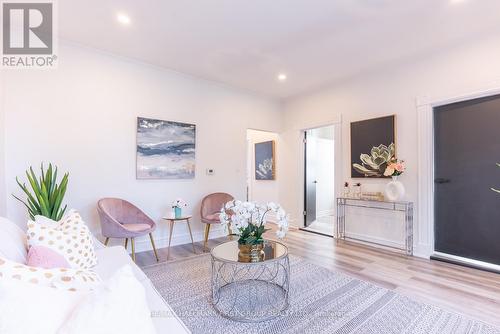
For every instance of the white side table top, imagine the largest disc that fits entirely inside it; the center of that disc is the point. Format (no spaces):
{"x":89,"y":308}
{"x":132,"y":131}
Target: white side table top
{"x":172,"y":217}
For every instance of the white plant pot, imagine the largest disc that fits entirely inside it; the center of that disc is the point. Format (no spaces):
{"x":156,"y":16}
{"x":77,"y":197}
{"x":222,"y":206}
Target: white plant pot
{"x":394,"y":190}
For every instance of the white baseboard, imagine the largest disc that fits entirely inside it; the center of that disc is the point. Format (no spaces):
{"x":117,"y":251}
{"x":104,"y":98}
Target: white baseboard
{"x":144,"y":244}
{"x":180,"y":239}
{"x":325,"y":213}
{"x":371,"y":239}
{"x":295,"y":223}
{"x":420,"y":254}
{"x":423,"y":250}
{"x":419,"y":250}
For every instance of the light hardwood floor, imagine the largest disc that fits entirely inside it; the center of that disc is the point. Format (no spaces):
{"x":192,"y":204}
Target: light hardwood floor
{"x":468,"y":291}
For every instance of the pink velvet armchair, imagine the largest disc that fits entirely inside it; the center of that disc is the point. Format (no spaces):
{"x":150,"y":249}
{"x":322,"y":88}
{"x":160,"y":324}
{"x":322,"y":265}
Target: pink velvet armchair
{"x":210,"y":211}
{"x":122,"y":219}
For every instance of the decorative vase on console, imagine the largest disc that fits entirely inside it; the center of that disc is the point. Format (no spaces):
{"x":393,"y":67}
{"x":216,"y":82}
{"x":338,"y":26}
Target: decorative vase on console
{"x":357,"y":190}
{"x":346,"y":189}
{"x":394,"y":190}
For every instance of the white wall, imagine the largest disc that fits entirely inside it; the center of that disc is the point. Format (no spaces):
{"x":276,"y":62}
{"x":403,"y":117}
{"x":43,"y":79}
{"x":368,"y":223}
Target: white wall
{"x":3,"y":195}
{"x":82,"y":117}
{"x":390,"y":90}
{"x":262,"y":191}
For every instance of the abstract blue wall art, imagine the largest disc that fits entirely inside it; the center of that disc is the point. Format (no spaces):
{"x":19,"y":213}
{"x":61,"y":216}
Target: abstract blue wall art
{"x":165,"y":150}
{"x":264,"y":161}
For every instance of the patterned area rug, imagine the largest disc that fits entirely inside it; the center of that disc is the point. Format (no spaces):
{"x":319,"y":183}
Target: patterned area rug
{"x":321,"y":301}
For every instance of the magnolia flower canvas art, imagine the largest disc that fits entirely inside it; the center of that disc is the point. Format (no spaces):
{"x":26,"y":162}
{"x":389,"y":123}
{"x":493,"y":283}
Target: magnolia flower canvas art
{"x":264,"y":161}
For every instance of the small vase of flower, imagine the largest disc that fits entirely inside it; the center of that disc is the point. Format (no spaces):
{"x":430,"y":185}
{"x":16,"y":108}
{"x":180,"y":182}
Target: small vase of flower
{"x":248,"y":220}
{"x":394,"y":190}
{"x":177,"y":206}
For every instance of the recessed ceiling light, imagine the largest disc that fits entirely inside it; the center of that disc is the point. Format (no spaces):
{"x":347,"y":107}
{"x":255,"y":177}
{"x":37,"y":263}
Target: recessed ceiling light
{"x":282,"y":77}
{"x":455,"y":2}
{"x":123,"y":18}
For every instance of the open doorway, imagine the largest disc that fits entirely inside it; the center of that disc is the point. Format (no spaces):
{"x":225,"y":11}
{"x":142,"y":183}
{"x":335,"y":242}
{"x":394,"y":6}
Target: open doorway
{"x":319,"y":180}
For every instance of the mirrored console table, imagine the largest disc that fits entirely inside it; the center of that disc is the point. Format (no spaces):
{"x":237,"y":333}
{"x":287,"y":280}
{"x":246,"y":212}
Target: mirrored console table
{"x":406,"y":207}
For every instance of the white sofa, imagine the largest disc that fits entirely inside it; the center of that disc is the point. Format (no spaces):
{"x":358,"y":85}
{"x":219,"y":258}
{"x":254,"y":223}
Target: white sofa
{"x":110,"y":259}
{"x":13,"y":245}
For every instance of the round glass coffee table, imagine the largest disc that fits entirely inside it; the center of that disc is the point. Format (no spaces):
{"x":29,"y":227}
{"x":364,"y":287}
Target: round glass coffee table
{"x":250,"y":291}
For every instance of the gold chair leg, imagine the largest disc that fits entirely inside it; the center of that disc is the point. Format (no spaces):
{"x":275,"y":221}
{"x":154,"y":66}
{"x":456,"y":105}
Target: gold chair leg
{"x":133,"y":248}
{"x":106,"y":242}
{"x":126,"y":243}
{"x":207,"y":231}
{"x":154,"y":247}
{"x":170,"y":238}
{"x":191,"y":235}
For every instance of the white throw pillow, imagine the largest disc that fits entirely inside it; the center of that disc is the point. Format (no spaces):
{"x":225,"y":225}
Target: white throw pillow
{"x":49,"y":222}
{"x":13,"y":245}
{"x":34,"y":309}
{"x":116,"y":306}
{"x":61,"y":278}
{"x":70,"y":237}
{"x":72,"y":216}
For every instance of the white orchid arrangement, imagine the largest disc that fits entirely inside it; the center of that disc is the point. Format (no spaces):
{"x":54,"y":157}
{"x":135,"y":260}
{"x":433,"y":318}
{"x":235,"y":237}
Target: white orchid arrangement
{"x":179,"y":203}
{"x":248,"y":220}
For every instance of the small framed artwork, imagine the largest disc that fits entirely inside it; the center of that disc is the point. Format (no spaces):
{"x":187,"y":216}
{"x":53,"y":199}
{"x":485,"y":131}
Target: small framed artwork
{"x":265,"y":168}
{"x":372,"y":146}
{"x":165,"y":150}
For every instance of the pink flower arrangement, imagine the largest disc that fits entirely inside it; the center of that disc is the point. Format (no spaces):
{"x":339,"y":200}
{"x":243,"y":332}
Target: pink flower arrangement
{"x":395,"y":167}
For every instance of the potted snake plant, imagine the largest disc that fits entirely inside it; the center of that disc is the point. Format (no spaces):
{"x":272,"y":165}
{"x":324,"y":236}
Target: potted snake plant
{"x":44,"y":195}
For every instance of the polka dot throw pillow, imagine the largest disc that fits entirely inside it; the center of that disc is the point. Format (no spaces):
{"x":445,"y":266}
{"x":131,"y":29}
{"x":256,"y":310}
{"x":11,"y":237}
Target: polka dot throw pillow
{"x":70,"y":237}
{"x":61,"y":278}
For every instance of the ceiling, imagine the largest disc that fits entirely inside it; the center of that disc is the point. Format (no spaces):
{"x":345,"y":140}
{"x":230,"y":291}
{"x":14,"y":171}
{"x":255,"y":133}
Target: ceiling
{"x":246,"y":43}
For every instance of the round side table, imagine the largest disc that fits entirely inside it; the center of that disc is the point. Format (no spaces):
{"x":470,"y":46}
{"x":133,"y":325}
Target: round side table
{"x":250,"y":291}
{"x":172,"y":220}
